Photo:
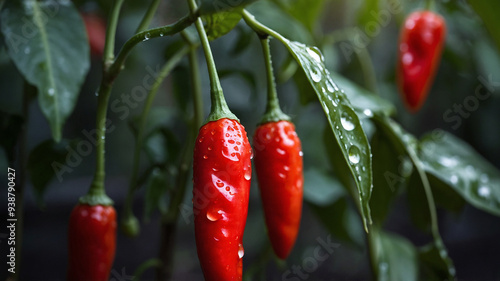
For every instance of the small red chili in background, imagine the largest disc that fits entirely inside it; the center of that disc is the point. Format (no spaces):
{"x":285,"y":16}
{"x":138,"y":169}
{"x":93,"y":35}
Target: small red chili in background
{"x":420,"y":46}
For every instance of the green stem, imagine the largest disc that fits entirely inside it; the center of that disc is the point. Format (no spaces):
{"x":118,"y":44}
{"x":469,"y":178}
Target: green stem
{"x":273,"y":110}
{"x":109,"y":46}
{"x":261,"y":29}
{"x":219,"y":107}
{"x":128,"y":216}
{"x":429,"y":5}
{"x":148,"y":16}
{"x":96,"y":194}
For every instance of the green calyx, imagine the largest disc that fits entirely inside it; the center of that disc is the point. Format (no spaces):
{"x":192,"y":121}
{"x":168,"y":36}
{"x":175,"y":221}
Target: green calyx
{"x":274,"y":114}
{"x":219,"y":108}
{"x":273,"y":111}
{"x":96,"y":196}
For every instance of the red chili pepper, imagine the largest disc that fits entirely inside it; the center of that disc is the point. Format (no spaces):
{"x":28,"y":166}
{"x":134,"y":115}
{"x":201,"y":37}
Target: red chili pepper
{"x":96,"y":32}
{"x":278,"y":162}
{"x":91,"y":242}
{"x":421,"y":43}
{"x":221,"y":171}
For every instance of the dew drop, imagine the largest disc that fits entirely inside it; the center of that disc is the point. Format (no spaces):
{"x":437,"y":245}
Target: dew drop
{"x":225,"y":232}
{"x":212,"y":216}
{"x":220,"y":184}
{"x":315,"y":54}
{"x":315,"y":74}
{"x":161,"y":34}
{"x":209,"y":148}
{"x":301,"y":153}
{"x":347,"y":122}
{"x":368,"y":113}
{"x":484,"y":191}
{"x":330,"y":86}
{"x":51,"y":91}
{"x":325,"y":107}
{"x":241,"y":251}
{"x":205,"y":157}
{"x":212,"y":132}
{"x":248,"y":174}
{"x":286,"y":168}
{"x":454,"y":179}
{"x":228,"y":188}
{"x":281,"y":175}
{"x":96,"y":94}
{"x":146,"y":37}
{"x":280,"y":151}
{"x":354,"y":154}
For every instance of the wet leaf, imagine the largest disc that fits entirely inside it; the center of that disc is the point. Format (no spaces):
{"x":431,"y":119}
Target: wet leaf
{"x":49,"y":46}
{"x":343,"y":120}
{"x":395,"y":257}
{"x":458,"y":166}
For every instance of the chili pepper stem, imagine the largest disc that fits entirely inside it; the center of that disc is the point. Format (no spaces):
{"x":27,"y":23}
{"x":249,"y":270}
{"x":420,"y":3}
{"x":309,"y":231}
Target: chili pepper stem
{"x":219,"y":108}
{"x":96,"y":194}
{"x":430,"y":5}
{"x":273,"y":110}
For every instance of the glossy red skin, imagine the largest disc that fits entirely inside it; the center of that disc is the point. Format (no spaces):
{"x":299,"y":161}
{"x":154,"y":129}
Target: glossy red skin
{"x":91,"y":242}
{"x":278,"y":162}
{"x":96,"y":31}
{"x":420,"y":47}
{"x":221,"y":175}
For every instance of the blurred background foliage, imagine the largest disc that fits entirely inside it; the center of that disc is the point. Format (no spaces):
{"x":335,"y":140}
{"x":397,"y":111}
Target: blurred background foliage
{"x":359,"y":42}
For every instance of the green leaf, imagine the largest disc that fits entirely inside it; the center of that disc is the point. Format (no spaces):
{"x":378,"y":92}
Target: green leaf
{"x":362,"y":100}
{"x":487,"y":10}
{"x":219,"y":6}
{"x":390,"y":173}
{"x":459,"y":167}
{"x":219,"y":24}
{"x":45,"y":160}
{"x":48,"y":44}
{"x":155,"y":190}
{"x":342,"y":118}
{"x":395,"y":258}
{"x":435,"y":265}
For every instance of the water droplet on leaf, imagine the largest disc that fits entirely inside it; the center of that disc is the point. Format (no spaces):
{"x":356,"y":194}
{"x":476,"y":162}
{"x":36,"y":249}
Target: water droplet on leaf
{"x":354,"y":154}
